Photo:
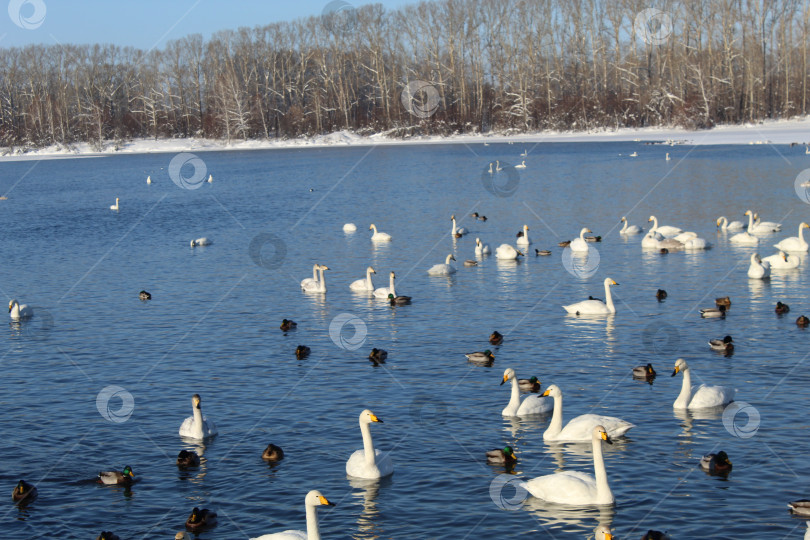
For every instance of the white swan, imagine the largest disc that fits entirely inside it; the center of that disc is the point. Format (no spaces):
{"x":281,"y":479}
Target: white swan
{"x":684,"y":236}
{"x":197,"y":426}
{"x":522,"y":165}
{"x":744,"y":239}
{"x":480,"y":248}
{"x":782,"y":261}
{"x":701,"y":397}
{"x":349,"y":227}
{"x":312,"y":501}
{"x":667,"y":158}
{"x":630,"y":229}
{"x":457,"y":232}
{"x":17,"y":311}
{"x":725,"y":225}
{"x":364,"y":284}
{"x":579,"y":243}
{"x":379,"y":236}
{"x":490,"y":168}
{"x":651,"y":240}
{"x":201,"y":242}
{"x":368,"y":462}
{"x":313,"y":279}
{"x":148,"y":179}
{"x":533,"y":404}
{"x":115,"y":206}
{"x":795,"y":243}
{"x":594,"y":307}
{"x":665,"y":230}
{"x":524,"y":239}
{"x":579,"y":428}
{"x":758,"y":269}
{"x":443,"y":269}
{"x":696,"y":243}
{"x":634,"y":154}
{"x":507,"y":252}
{"x":526,"y":153}
{"x":498,"y":167}
{"x":383,"y":292}
{"x":765,"y":226}
{"x":210,"y":178}
{"x":320,"y":285}
{"x":574,"y":487}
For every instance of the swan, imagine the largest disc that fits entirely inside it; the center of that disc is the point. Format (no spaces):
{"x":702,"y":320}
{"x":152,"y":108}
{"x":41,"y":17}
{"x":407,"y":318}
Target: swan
{"x":579,"y":244}
{"x":574,"y":487}
{"x":630,"y":229}
{"x":312,"y":501}
{"x":651,"y":240}
{"x":523,"y":239}
{"x":526,"y":153}
{"x":782,"y":261}
{"x":579,"y":428}
{"x":498,"y":167}
{"x":457,"y":232}
{"x":320,"y":285}
{"x":383,"y":292}
{"x":664,"y":230}
{"x":634,"y":154}
{"x":197,"y":426}
{"x":757,"y":269}
{"x":684,"y":236}
{"x":794,"y":243}
{"x":364,"y":285}
{"x":379,"y":236}
{"x":369,"y":462}
{"x":490,"y":171}
{"x":701,"y":397}
{"x":148,"y":179}
{"x":210,"y":178}
{"x":17,"y":311}
{"x":313,"y":279}
{"x":201,"y":242}
{"x":696,"y":243}
{"x":507,"y":252}
{"x":481,"y":248}
{"x":744,"y":239}
{"x":349,"y":228}
{"x":765,"y":226}
{"x":531,"y":405}
{"x":594,"y":307}
{"x":725,"y":225}
{"x":115,"y":206}
{"x":667,"y":158}
{"x":522,"y":165}
{"x":443,"y":269}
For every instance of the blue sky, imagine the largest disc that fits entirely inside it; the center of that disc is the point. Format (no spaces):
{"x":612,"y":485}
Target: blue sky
{"x":145,"y":23}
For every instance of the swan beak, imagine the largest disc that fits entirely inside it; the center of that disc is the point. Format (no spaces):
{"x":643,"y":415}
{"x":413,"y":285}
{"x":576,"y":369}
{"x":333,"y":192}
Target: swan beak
{"x":615,"y":283}
{"x":324,"y":268}
{"x":677,"y":369}
{"x":323,"y":500}
{"x":375,"y":419}
{"x":545,"y":394}
{"x":505,"y":378}
{"x":649,"y":219}
{"x":590,"y":231}
{"x":606,"y":437}
{"x":608,"y":536}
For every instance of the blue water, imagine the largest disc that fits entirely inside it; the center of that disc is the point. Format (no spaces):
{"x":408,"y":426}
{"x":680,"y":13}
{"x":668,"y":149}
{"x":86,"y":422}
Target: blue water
{"x":212,"y":328}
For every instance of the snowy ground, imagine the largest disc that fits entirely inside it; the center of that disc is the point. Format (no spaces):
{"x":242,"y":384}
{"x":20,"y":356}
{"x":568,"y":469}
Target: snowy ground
{"x":775,"y":132}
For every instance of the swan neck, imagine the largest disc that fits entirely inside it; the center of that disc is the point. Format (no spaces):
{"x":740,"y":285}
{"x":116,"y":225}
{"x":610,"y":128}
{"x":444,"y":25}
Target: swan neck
{"x":312,"y":523}
{"x":447,"y":260}
{"x":655,"y":223}
{"x":514,"y":400}
{"x":609,"y":299}
{"x":322,"y":282}
{"x":368,"y":445}
{"x":603,"y":492}
{"x":686,"y":391}
{"x":315,"y":272}
{"x":369,"y":285}
{"x":624,"y":228}
{"x":801,"y":235}
{"x":391,"y":289}
{"x":555,"y":426}
{"x":198,"y":419}
{"x":750,"y":221}
{"x":582,"y":235}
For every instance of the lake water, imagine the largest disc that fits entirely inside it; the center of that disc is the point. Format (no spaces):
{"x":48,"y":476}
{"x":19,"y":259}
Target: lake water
{"x":212,"y":328}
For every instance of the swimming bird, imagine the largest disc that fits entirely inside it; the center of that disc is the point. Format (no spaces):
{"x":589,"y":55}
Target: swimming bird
{"x":725,"y":225}
{"x":313,"y":500}
{"x":349,"y":227}
{"x":470,"y":262}
{"x":564,"y":243}
{"x":24,"y":492}
{"x":109,"y":535}
{"x":661,"y":294}
{"x":724,"y":301}
{"x":781,"y":308}
{"x":580,"y":244}
{"x":201,"y":519}
{"x":143,"y":295}
{"x":385,"y":292}
{"x":313,"y":279}
{"x":758,"y":269}
{"x":523,"y":237}
{"x":456,"y":232}
{"x":703,"y":396}
{"x":580,"y":427}
{"x":710,"y":313}
{"x":796,"y":244}
{"x":505,"y":456}
{"x":530,"y":405}
{"x":443,"y":269}
{"x":629,"y":229}
{"x":317,"y":286}
{"x":507,"y":252}
{"x":644,"y":372}
{"x":187,"y":458}
{"x":495,"y":338}
{"x":197,"y":426}
{"x":802,"y":321}
{"x":726,"y":344}
{"x":399,"y":300}
{"x":302,"y":351}
{"x":541,"y":252}
{"x":379,"y":236}
{"x":287,"y":325}
{"x":121,"y":478}
{"x":201,"y":242}
{"x":148,"y":179}
{"x":364,"y":285}
{"x":481,"y":358}
{"x":594,"y":307}
{"x":667,"y":158}
{"x":655,"y":535}
{"x":664,"y":230}
{"x":800,"y":507}
{"x":378,"y":356}
{"x":744,"y":239}
{"x":115,"y":206}
{"x":761,"y":227}
{"x":17,"y":311}
{"x":716,"y":464}
{"x":529,"y":385}
{"x":273,"y":453}
{"x":368,"y":462}
{"x":782,"y":261}
{"x":522,"y":165}
{"x":634,"y":154}
{"x":481,"y":248}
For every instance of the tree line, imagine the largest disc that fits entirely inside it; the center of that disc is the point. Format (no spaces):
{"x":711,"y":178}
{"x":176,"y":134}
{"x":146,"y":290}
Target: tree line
{"x":480,"y":65}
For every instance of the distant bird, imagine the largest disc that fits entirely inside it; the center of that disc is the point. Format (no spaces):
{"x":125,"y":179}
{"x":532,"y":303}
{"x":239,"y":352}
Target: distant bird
{"x":661,"y":294}
{"x":644,"y":372}
{"x":187,"y":458}
{"x":505,"y":456}
{"x":273,"y":453}
{"x":302,"y":351}
{"x":201,"y":242}
{"x":349,"y":228}
{"x":522,"y":165}
{"x":496,"y":338}
{"x":634,"y":154}
{"x":148,"y":179}
{"x":716,"y":464}
{"x":378,"y":356}
{"x":122,"y":478}
{"x":481,"y":358}
{"x":200,"y":519}
{"x":143,"y":295}
{"x":210,"y":178}
{"x":529,"y":385}
{"x":781,"y":308}
{"x":24,"y":492}
{"x":802,"y":321}
{"x":667,"y":158}
{"x":287,"y":325}
{"x":709,"y":313}
{"x":723,"y":301}
{"x":725,"y":344}
{"x":541,"y":252}
{"x":115,"y":206}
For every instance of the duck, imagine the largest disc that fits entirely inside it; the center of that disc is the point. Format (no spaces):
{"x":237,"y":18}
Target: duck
{"x":580,"y":428}
{"x":187,"y":458}
{"x":724,"y":301}
{"x":644,"y":372}
{"x":713,"y":313}
{"x":481,"y":248}
{"x":523,"y":237}
{"x":800,"y":507}
{"x":201,"y":519}
{"x":385,"y":292}
{"x":573,"y":487}
{"x":781,"y":308}
{"x":313,"y":279}
{"x":564,"y":243}
{"x":726,"y":344}
{"x":379,"y":236}
{"x":661,"y":294}
{"x":664,"y":230}
{"x":443,"y":269}
{"x":543,"y":252}
{"x":507,"y":252}
{"x":529,"y":385}
{"x":716,"y":464}
{"x":24,"y":492}
{"x":529,"y":406}
{"x":312,"y":501}
{"x":481,"y":358}
{"x":17,"y":311}
{"x":108,"y":535}
{"x":197,"y":426}
{"x":317,"y":286}
{"x":782,"y":261}
{"x":115,"y":206}
{"x":593,"y":238}
{"x":761,"y":227}
{"x":302,"y":351}
{"x":378,"y":356}
{"x":796,"y":244}
{"x":579,"y":243}
{"x":725,"y":225}
{"x":479,"y":217}
{"x":655,"y":535}
{"x":287,"y":325}
{"x":457,"y":232}
{"x":630,"y":229}
{"x":121,"y":478}
{"x":594,"y":307}
{"x":369,"y":462}
{"x":399,"y":300}
{"x":470,"y":262}
{"x":143,"y":295}
{"x":703,"y":396}
{"x":503,"y":456}
{"x":495,"y":338}
{"x":802,"y":321}
{"x":364,"y":285}
{"x":758,"y":269}
{"x":349,"y":228}
{"x":201,"y":242}
{"x":273,"y":453}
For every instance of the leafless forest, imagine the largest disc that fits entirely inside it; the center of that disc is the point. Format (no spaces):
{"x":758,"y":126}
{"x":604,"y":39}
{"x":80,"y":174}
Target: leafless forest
{"x":496,"y":65}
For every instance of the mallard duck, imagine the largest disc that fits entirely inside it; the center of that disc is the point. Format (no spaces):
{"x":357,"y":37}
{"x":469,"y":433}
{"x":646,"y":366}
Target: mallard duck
{"x":470,"y":262}
{"x":800,"y":507}
{"x":482,"y":358}
{"x":123,"y":478}
{"x":143,"y":295}
{"x":302,"y":351}
{"x":644,"y":372}
{"x":724,"y":301}
{"x":724,"y":344}
{"x":107,"y":535}
{"x":565,"y":243}
{"x":593,"y":238}
{"x":543,"y":252}
{"x":273,"y":453}
{"x":187,"y":458}
{"x":529,"y":385}
{"x":716,"y":463}
{"x":288,"y":325}
{"x":24,"y":492}
{"x":655,"y":535}
{"x":479,"y":217}
{"x":398,"y":300}
{"x":661,"y":294}
{"x":378,"y":356}
{"x":200,"y":519}
{"x":802,"y":321}
{"x":663,"y":251}
{"x":503,"y":455}
{"x":496,"y":338}
{"x":709,"y":313}
{"x":781,"y":308}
